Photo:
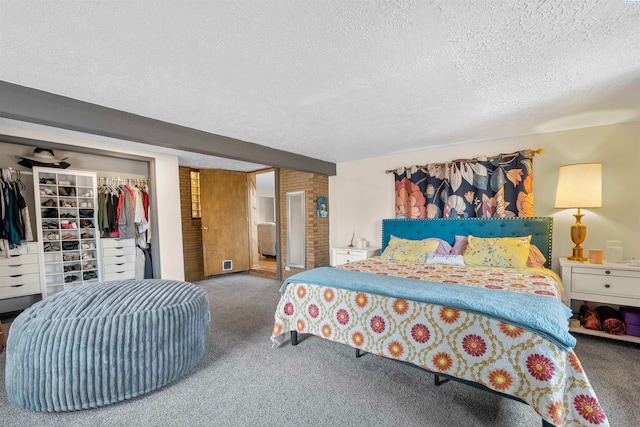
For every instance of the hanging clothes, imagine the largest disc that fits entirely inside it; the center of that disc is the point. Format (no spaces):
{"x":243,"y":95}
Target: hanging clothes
{"x":15,"y":222}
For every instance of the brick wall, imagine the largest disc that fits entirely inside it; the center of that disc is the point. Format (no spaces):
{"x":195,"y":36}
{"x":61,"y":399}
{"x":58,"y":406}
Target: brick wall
{"x":191,"y":232}
{"x":317,"y":229}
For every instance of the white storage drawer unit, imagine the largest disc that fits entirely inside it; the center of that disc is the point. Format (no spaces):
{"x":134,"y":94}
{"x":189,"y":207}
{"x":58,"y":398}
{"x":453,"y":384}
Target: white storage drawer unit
{"x":118,"y":258}
{"x":341,"y":256}
{"x":608,"y":284}
{"x":20,"y":272}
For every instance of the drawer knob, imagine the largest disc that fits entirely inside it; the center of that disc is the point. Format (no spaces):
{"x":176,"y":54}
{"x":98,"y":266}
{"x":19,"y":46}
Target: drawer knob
{"x":607,"y":272}
{"x":607,"y":286}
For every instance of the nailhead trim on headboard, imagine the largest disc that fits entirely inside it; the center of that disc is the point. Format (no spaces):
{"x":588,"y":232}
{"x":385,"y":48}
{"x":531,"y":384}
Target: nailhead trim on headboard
{"x":540,"y":229}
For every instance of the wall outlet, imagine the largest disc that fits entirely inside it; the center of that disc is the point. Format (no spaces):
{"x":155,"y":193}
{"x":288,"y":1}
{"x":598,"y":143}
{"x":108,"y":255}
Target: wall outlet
{"x":287,"y":268}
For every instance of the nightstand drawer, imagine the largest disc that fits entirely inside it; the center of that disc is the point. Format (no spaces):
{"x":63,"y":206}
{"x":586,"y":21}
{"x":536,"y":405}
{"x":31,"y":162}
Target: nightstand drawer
{"x":361,"y":253}
{"x":606,"y":285}
{"x":339,"y":259}
{"x":606,"y":272}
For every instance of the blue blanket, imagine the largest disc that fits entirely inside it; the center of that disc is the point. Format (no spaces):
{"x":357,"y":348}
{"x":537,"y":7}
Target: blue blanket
{"x":542,"y":315}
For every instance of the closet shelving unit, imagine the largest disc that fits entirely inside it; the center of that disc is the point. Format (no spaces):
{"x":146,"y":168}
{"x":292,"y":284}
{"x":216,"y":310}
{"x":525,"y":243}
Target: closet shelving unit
{"x":66,"y":217}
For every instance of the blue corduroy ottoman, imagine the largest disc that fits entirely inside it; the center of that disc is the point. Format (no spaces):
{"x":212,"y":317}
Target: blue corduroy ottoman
{"x":99,"y":344}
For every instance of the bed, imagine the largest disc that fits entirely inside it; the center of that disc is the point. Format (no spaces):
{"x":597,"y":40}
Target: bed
{"x":501,"y":329}
{"x":267,"y":238}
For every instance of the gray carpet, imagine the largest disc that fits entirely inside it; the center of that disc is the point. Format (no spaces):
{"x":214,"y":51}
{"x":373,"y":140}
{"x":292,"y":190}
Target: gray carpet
{"x":243,"y":381}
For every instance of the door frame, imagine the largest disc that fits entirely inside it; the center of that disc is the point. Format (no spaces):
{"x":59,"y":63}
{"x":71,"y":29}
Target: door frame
{"x":253,"y":231}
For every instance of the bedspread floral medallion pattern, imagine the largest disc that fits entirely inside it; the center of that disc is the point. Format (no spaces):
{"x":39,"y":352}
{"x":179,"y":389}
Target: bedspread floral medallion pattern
{"x":500,"y":356}
{"x":499,"y":187}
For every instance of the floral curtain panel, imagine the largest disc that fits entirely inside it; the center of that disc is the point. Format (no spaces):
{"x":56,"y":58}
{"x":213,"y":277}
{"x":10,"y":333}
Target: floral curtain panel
{"x":500,"y":187}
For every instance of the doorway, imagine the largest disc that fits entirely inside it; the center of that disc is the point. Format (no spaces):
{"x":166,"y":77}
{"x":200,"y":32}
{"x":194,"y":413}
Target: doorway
{"x":263,"y":224}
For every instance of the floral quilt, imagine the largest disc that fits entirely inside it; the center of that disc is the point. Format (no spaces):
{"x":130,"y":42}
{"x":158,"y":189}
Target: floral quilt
{"x":469,"y":346}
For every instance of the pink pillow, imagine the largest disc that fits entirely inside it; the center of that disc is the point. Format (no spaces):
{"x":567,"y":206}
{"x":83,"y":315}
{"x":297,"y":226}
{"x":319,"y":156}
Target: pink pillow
{"x":443,"y":247}
{"x":536,"y":258}
{"x":459,"y":245}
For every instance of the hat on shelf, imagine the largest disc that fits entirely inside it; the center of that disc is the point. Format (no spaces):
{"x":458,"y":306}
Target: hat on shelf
{"x":43,"y":157}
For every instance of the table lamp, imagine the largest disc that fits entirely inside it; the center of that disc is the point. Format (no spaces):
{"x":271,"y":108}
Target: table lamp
{"x":579,"y":186}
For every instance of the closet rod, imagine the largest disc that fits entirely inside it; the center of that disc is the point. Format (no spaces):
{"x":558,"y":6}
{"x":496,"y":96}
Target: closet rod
{"x":533,"y":153}
{"x":21,"y":171}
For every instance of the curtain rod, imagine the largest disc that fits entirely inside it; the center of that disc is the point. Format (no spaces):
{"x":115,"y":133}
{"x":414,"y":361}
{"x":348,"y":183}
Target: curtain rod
{"x":533,"y":153}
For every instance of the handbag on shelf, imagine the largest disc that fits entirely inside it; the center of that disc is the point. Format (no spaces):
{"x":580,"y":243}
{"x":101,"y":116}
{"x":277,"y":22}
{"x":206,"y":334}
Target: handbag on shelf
{"x":69,"y":246}
{"x":589,"y":318}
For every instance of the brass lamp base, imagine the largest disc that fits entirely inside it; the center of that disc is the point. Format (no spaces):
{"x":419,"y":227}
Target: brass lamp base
{"x":578,"y":234}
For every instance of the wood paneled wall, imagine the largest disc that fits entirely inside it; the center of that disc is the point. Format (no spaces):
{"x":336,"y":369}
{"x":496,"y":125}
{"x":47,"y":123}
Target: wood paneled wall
{"x":191,"y":232}
{"x":317,"y":229}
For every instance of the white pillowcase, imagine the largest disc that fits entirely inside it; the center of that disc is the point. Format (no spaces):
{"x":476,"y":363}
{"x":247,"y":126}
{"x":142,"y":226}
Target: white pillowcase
{"x":446,"y":259}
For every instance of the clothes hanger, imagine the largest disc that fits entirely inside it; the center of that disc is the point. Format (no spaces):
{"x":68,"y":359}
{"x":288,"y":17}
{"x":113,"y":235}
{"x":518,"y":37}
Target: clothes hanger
{"x":19,"y":182}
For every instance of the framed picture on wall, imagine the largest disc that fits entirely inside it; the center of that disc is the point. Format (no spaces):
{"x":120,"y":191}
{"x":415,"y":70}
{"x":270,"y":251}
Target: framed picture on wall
{"x":322,"y":206}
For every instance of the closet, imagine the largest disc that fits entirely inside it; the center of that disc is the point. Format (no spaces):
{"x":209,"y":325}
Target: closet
{"x":68,"y":246}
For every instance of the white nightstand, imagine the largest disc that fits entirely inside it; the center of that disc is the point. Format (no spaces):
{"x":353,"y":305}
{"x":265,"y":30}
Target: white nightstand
{"x":616,"y":284}
{"x":341,"y":256}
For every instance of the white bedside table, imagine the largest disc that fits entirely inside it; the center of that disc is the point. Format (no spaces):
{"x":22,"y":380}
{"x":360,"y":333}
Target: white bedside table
{"x":341,"y":256}
{"x":607,"y":283}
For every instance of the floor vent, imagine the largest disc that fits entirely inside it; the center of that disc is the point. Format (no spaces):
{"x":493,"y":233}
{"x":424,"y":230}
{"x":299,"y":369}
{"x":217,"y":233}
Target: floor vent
{"x":227,"y":265}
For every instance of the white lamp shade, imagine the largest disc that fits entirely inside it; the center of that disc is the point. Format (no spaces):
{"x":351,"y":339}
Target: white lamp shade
{"x":579,"y":186}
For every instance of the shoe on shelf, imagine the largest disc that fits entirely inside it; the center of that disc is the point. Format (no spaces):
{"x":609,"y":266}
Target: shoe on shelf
{"x":85,"y":223}
{"x":50,"y":225}
{"x":88,"y":267}
{"x":49,"y":203}
{"x":70,"y":279}
{"x":52,"y":236}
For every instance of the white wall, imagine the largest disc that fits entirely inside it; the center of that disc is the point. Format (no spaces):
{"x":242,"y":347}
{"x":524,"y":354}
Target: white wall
{"x":361,"y":194}
{"x":266,"y":192}
{"x":166,"y":189}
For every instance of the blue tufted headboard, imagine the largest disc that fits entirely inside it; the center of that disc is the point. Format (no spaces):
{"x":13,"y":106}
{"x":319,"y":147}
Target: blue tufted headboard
{"x":539,"y":228}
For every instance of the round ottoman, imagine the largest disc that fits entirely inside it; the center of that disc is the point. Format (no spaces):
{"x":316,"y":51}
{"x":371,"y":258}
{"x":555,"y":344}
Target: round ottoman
{"x":106,"y":342}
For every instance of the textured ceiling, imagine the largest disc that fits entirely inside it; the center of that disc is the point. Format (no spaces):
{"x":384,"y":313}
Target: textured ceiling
{"x":336,"y":80}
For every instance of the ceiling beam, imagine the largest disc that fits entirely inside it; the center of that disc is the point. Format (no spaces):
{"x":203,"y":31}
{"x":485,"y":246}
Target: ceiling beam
{"x":45,"y":108}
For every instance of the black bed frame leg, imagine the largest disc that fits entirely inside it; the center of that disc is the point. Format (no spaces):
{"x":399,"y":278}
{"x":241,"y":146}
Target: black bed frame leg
{"x":360,"y":353}
{"x":294,"y":337}
{"x":546,"y":423}
{"x":438,"y":382}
